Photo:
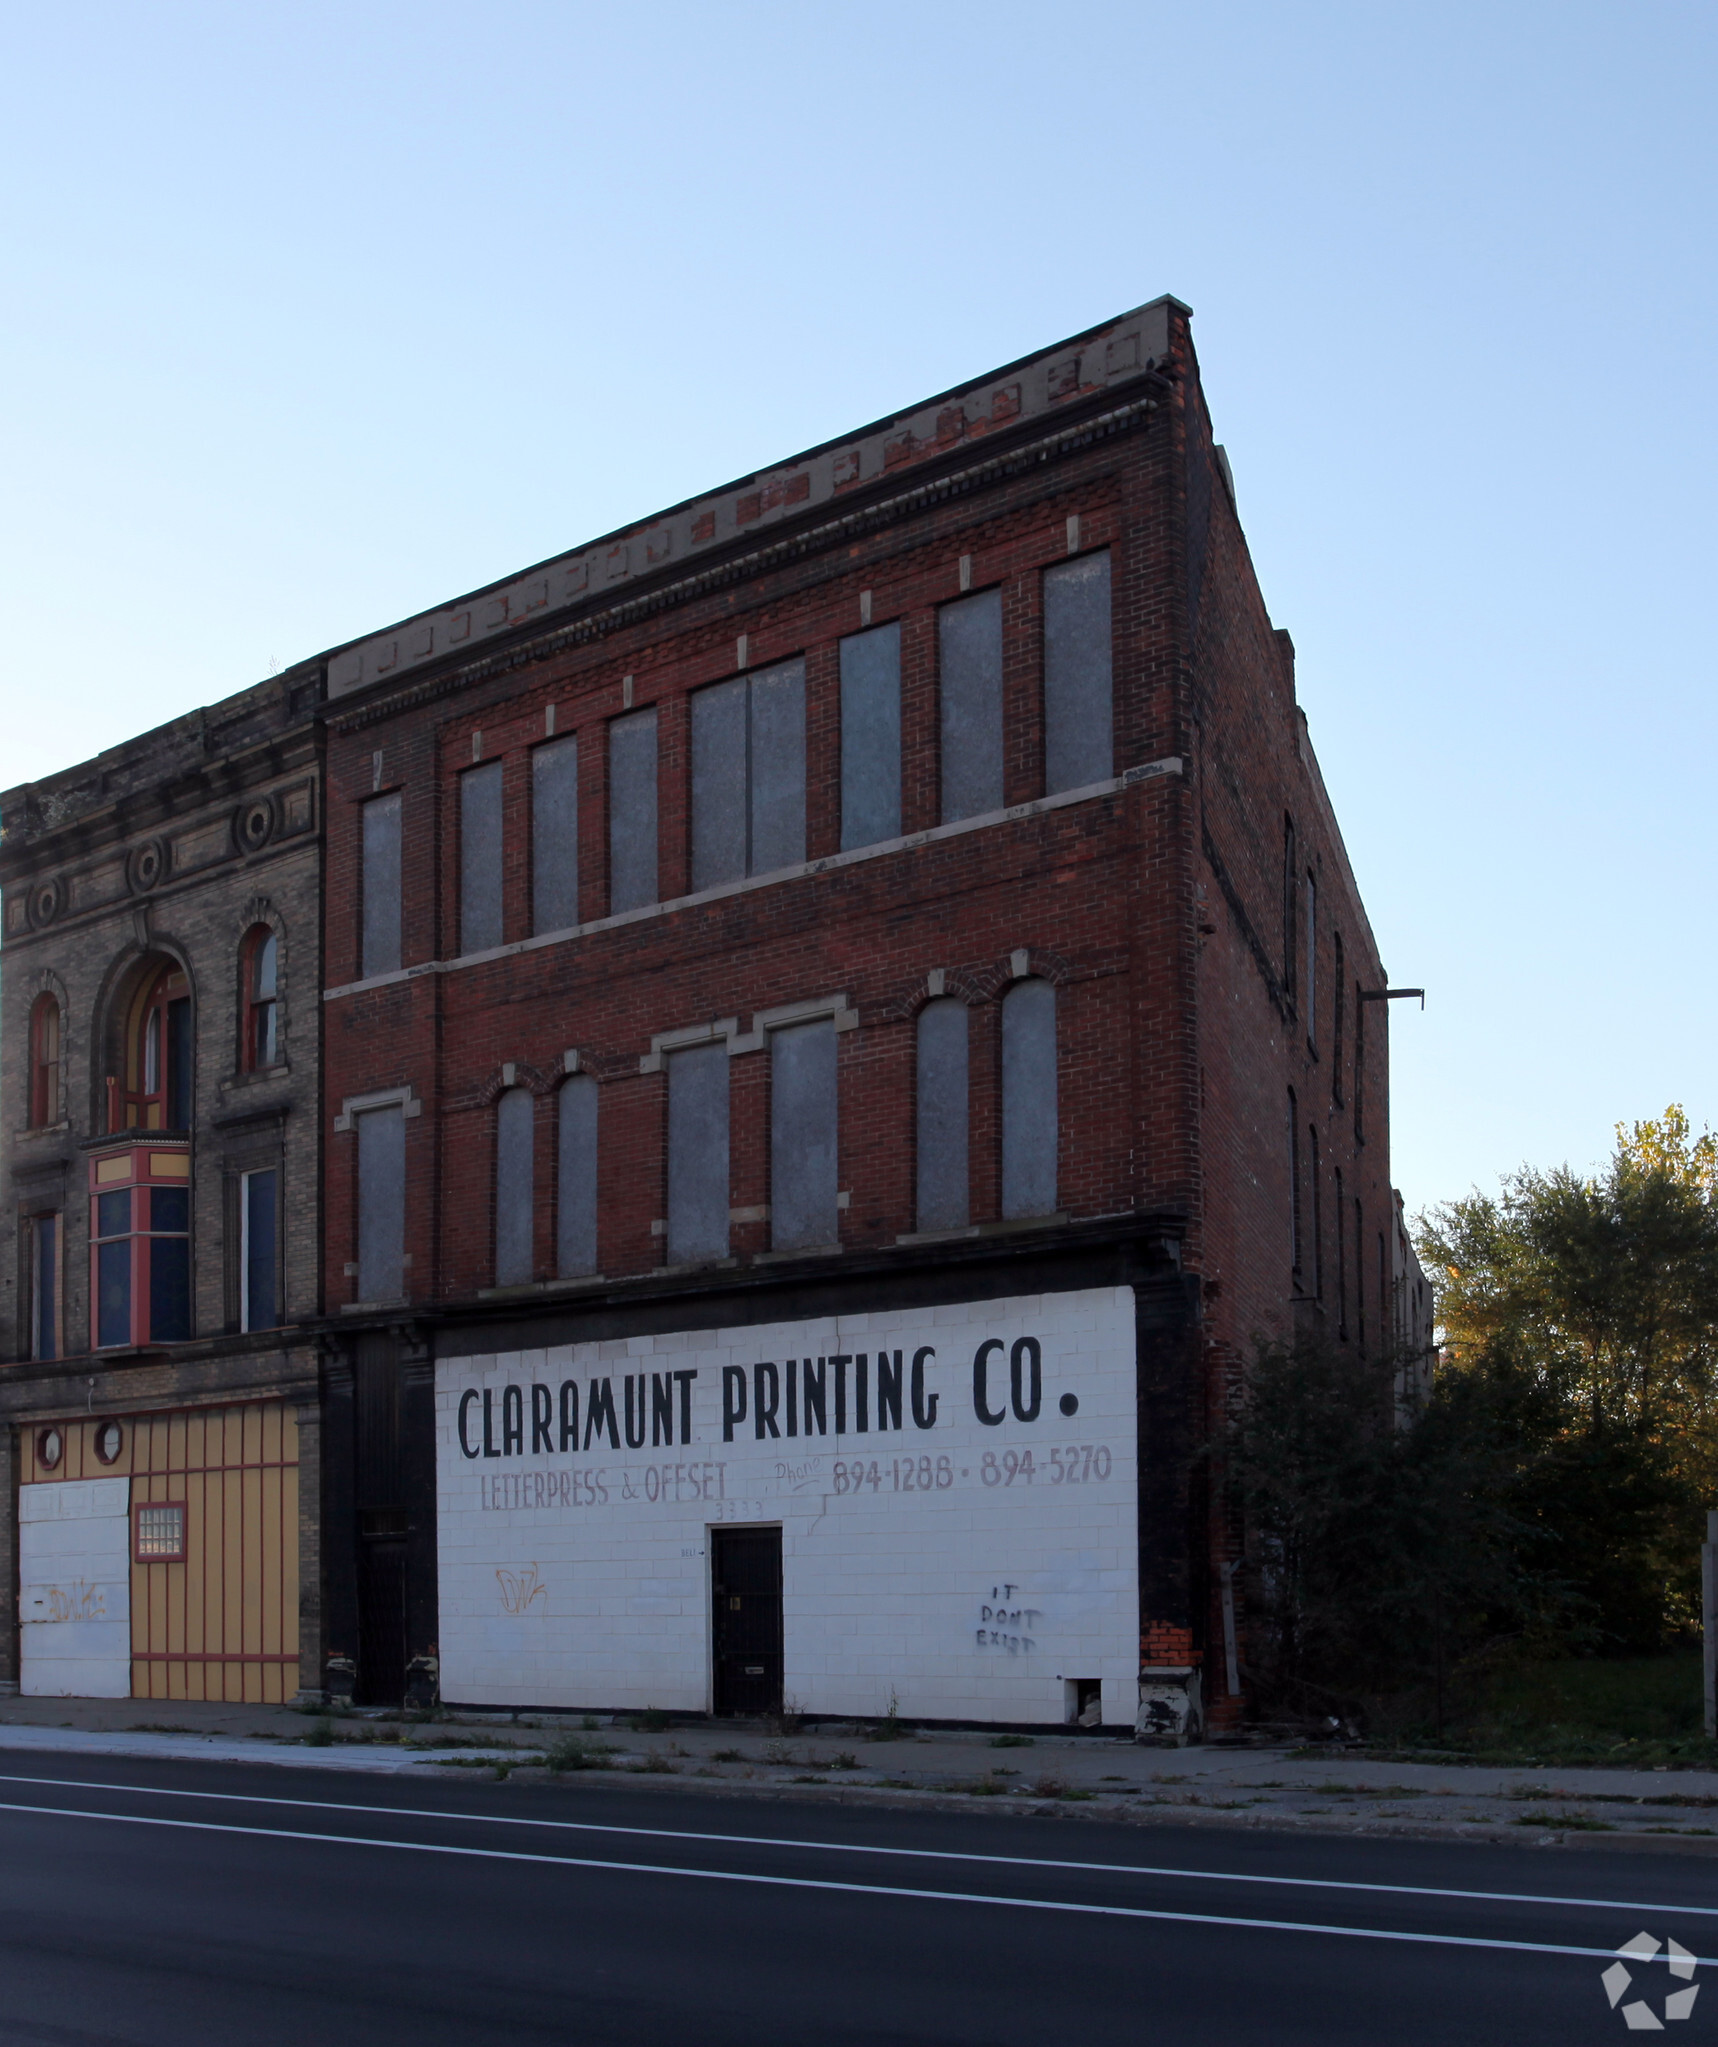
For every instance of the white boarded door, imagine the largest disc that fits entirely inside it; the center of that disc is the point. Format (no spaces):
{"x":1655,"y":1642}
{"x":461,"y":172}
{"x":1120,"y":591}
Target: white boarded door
{"x":74,"y":1573}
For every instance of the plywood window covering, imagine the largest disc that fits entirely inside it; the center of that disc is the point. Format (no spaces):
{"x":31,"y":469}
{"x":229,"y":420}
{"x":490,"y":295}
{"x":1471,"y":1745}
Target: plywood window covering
{"x":871,"y":736}
{"x":748,"y":775}
{"x":944,"y":1112}
{"x":480,"y":853}
{"x":380,"y":912}
{"x":1029,"y":1123}
{"x":632,"y":806}
{"x":555,"y":835}
{"x":221,"y":1622}
{"x":803,"y":1172}
{"x":1079,"y":744}
{"x":969,"y":654}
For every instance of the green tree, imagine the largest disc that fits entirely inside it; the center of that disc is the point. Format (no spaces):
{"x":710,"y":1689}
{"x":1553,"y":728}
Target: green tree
{"x":1587,"y":1311}
{"x":1378,"y":1555}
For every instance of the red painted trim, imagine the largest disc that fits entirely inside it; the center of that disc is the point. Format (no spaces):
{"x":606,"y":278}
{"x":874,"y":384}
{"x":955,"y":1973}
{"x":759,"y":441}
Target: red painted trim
{"x":206,"y":1656}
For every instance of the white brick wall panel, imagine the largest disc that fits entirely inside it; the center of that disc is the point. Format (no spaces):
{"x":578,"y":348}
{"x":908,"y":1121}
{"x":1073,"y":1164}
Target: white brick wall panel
{"x":884,"y":1589}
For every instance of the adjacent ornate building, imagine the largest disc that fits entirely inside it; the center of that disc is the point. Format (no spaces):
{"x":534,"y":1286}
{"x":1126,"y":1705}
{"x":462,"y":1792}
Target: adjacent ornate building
{"x":159,"y":1241}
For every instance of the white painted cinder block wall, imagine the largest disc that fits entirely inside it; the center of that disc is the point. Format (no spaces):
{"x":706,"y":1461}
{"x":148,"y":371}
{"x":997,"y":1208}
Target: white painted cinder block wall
{"x":581,"y":1578}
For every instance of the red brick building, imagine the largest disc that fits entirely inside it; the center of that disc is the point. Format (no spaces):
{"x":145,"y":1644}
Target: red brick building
{"x":864,"y":956}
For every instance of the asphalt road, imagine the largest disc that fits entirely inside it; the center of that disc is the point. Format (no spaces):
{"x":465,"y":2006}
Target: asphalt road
{"x":185,"y":1904}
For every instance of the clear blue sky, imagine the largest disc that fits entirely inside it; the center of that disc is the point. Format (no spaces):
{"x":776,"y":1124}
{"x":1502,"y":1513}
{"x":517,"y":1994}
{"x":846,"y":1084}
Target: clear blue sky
{"x":318,"y":314}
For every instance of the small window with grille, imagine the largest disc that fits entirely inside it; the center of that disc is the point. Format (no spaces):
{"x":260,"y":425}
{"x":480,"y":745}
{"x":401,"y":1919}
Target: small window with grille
{"x":161,"y":1532}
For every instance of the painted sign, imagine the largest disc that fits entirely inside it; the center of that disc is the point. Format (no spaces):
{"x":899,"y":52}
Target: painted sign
{"x":955,"y":1487}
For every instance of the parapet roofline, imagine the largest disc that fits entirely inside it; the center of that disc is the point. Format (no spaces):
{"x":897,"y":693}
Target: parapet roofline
{"x":1034,"y":387}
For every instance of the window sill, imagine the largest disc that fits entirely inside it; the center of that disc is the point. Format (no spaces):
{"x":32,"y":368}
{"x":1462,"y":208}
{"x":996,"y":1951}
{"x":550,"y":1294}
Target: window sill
{"x":804,"y":1251}
{"x":256,"y":1076}
{"x":374,"y":1307}
{"x":31,"y":1132}
{"x":1011,"y":1227}
{"x":1147,"y":771}
{"x":530,"y":1288}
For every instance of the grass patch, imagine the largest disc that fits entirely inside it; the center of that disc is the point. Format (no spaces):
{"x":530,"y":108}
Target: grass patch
{"x":1565,"y":1822}
{"x":652,"y":1766}
{"x":811,"y":1780}
{"x":320,"y":1734}
{"x":1625,"y":1712}
{"x":651,"y":1721}
{"x":1011,"y":1741}
{"x":728,"y":1755}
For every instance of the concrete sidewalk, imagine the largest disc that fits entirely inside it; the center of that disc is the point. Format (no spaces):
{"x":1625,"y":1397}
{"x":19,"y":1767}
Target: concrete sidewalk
{"x":1085,"y":1774}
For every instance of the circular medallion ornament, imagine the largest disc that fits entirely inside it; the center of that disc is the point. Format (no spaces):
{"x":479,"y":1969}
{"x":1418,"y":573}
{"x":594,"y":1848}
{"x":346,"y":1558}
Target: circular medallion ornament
{"x":148,"y":866}
{"x":46,"y":903}
{"x":256,"y":824}
{"x":109,"y":1441}
{"x":50,"y":1448}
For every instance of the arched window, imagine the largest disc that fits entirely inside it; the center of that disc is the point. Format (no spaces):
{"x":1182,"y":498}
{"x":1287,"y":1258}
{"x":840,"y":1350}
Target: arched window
{"x":156,"y":1088}
{"x":262,"y":998}
{"x":576,"y":1188}
{"x":515,"y":1122}
{"x":44,"y":1061}
{"x":943,"y":1115}
{"x":1029,"y":1127}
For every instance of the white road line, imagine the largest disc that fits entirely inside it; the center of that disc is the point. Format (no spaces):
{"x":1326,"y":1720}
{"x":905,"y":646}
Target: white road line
{"x":1220,"y":1876}
{"x":809,"y":1883}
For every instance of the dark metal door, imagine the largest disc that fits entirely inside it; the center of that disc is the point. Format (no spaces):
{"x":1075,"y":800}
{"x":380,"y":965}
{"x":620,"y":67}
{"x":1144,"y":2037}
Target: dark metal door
{"x":381,"y":1609}
{"x":383,"y":1525}
{"x":745,"y":1571}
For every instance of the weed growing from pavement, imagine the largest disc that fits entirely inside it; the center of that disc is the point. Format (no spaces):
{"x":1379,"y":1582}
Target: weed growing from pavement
{"x":889,"y":1728}
{"x":573,"y":1753}
{"x":1011,"y":1741}
{"x":727,"y":1755}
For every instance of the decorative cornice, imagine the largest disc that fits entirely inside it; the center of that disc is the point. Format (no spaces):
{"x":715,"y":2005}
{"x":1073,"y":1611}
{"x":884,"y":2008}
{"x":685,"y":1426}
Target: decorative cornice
{"x":601,"y":618}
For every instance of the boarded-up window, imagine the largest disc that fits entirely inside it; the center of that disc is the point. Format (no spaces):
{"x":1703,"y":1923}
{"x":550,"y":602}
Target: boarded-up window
{"x":969,"y":661}
{"x":802,"y":1136}
{"x":259,"y":1204}
{"x":632,"y":812}
{"x":1079,"y":746}
{"x":480,"y":858}
{"x":514,"y":1129}
{"x":381,"y":1204}
{"x":698,"y":1154}
{"x":576,"y":1179}
{"x":380,"y":885}
{"x":943,"y":1202}
{"x":1029,"y":1128}
{"x":748,"y":775}
{"x":871,"y":737}
{"x":555,"y":836}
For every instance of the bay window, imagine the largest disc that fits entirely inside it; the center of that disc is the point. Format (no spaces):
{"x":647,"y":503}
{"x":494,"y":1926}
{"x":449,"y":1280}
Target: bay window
{"x":140,"y":1246}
